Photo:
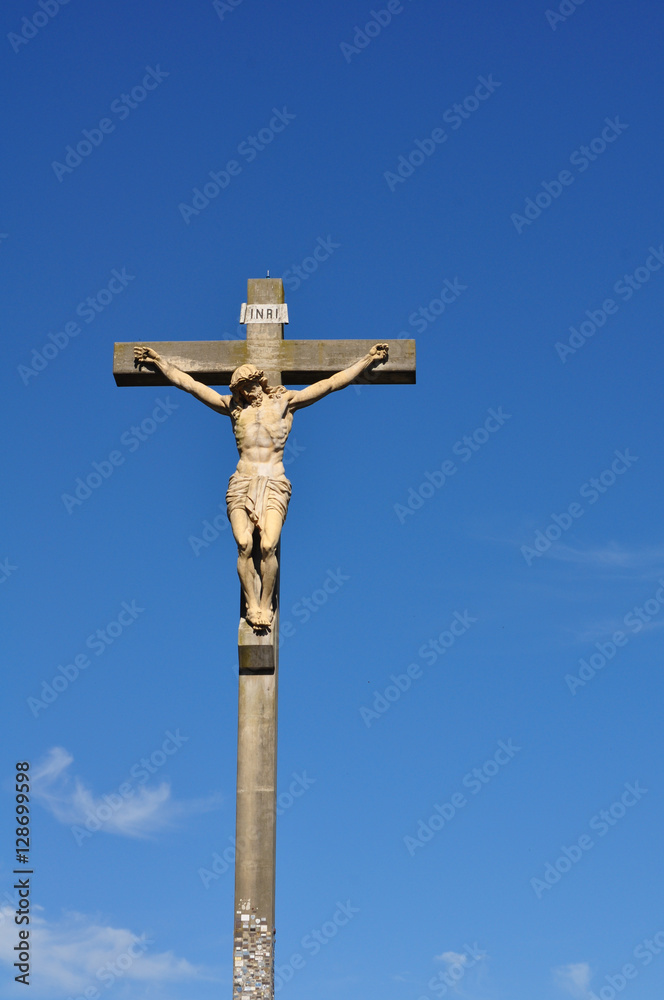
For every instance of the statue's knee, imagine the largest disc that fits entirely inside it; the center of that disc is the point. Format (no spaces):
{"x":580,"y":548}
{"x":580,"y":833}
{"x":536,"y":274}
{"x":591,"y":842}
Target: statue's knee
{"x":268,"y":549}
{"x":244,"y":546}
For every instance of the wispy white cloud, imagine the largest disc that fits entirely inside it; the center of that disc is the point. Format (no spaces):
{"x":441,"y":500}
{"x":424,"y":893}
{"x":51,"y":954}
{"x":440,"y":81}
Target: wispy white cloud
{"x":612,"y":559}
{"x":573,"y":979}
{"x":141,"y":813}
{"x":644,"y":560}
{"x":81,"y":952}
{"x":604,"y":628}
{"x":452,"y":958}
{"x":469,"y":966}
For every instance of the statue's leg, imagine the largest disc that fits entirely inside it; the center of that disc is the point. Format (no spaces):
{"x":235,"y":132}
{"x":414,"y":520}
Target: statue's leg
{"x":270,"y":535}
{"x":243,"y":532}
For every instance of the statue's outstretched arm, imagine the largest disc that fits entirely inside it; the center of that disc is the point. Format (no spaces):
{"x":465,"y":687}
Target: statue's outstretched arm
{"x":305,"y":397}
{"x":147,"y":356}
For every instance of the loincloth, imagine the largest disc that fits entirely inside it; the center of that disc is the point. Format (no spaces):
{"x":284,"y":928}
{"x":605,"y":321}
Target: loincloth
{"x":257,"y":495}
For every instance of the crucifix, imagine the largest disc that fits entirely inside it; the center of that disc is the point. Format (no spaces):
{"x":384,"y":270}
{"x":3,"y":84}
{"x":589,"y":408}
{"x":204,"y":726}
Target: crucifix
{"x":261,"y":409}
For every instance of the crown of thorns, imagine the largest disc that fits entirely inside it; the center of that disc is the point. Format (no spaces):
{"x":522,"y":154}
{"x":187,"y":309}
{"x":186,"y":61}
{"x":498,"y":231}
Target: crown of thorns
{"x":245,"y":373}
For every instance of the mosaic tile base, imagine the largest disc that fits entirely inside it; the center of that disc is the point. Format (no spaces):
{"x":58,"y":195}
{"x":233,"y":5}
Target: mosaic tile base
{"x":253,"y":955}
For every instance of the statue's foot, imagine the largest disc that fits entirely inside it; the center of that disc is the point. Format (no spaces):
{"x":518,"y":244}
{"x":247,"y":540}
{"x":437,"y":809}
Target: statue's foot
{"x":253,"y":614}
{"x":262,"y":620}
{"x":258,"y":619}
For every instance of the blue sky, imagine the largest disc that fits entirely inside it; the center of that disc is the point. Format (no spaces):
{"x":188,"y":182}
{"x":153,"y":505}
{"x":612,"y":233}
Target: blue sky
{"x":470,"y":788}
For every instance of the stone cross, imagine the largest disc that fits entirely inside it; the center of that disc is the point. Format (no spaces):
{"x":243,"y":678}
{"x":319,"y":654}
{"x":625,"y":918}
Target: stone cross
{"x":291,"y":362}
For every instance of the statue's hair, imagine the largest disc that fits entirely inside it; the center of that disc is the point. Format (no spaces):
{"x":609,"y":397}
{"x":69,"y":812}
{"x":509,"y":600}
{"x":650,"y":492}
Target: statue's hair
{"x":238,"y":403}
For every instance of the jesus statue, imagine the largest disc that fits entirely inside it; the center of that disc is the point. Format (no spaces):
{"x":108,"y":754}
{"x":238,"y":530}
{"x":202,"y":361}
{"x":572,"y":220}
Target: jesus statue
{"x":258,"y":491}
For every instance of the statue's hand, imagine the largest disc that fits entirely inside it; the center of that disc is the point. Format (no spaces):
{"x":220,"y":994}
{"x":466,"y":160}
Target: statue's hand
{"x":379,"y":353}
{"x":143,"y":355}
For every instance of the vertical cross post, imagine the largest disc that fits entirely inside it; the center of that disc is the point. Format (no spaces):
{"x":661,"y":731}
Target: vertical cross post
{"x":264,"y":340}
{"x":256,"y":809}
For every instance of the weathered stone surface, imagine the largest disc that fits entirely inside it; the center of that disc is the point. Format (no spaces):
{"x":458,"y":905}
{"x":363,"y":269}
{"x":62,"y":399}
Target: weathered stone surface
{"x":257,"y":650}
{"x":299,"y":362}
{"x":255,"y":829}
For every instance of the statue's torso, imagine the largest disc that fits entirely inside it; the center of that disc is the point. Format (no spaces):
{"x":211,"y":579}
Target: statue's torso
{"x":261,"y":433}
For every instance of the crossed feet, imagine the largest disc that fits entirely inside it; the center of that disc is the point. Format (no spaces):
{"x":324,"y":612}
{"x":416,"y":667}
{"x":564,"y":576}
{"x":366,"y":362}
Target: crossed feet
{"x":259,"y":619}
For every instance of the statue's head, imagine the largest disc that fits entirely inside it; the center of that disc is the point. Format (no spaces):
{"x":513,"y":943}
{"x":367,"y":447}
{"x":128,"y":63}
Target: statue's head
{"x":248,"y":383}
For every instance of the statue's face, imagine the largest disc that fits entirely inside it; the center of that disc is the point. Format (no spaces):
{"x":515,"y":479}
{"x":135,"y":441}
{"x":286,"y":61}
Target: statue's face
{"x":252,"y":390}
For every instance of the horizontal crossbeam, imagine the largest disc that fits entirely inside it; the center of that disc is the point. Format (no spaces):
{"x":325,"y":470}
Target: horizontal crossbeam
{"x":301,"y":362}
